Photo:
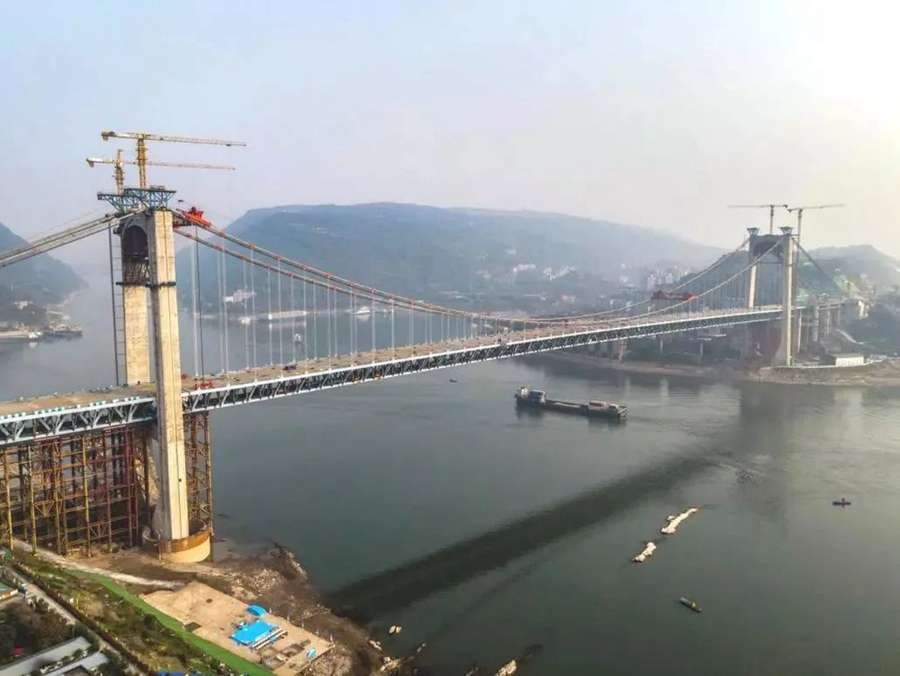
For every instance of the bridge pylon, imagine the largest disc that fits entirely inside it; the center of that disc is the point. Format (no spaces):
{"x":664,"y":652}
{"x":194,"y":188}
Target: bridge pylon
{"x":784,"y":356}
{"x":166,"y":345}
{"x":148,"y":257}
{"x":752,"y":234}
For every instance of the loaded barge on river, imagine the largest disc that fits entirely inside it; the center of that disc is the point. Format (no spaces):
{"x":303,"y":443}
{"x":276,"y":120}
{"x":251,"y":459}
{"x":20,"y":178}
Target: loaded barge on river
{"x":537,"y":400}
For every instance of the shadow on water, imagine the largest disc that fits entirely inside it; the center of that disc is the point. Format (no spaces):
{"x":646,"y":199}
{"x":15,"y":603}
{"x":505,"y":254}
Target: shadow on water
{"x":598,"y":372}
{"x":449,"y":567}
{"x":764,"y":419}
{"x":768,"y":404}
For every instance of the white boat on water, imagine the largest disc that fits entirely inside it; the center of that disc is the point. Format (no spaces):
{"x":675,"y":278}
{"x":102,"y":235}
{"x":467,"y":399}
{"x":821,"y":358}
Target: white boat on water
{"x":508,"y":669}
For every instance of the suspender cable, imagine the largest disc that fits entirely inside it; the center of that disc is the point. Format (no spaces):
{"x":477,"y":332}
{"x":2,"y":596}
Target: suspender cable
{"x":269,"y":318}
{"x":315,"y":326}
{"x":280,"y":317}
{"x":225,"y":345}
{"x":253,"y":316}
{"x":245,"y":320}
{"x":305,"y":332}
{"x":293,"y":324}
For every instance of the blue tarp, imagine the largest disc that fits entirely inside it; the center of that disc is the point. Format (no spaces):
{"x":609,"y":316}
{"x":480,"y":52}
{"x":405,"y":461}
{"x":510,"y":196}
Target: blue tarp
{"x":252,"y":633}
{"x":259,"y":611}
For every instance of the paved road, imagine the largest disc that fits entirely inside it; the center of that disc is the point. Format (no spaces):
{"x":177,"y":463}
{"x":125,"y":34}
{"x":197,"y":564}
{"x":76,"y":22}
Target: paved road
{"x":36,"y":592}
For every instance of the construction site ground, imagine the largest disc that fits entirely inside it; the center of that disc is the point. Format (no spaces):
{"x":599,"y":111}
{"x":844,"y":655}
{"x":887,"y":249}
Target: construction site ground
{"x":218,"y":614}
{"x":271,"y":578}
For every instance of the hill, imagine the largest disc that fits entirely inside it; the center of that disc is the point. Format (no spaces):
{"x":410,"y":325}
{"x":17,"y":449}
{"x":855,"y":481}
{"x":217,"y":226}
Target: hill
{"x":863,"y":265}
{"x":427,"y":251}
{"x":42,"y":280}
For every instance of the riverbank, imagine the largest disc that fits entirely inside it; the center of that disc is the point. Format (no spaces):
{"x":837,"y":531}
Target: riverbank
{"x":877,"y":374}
{"x":272,"y":578}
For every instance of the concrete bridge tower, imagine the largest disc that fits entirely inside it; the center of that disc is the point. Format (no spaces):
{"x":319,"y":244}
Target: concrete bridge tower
{"x":751,"y":286}
{"x":148,"y":265}
{"x":784,"y":356}
{"x":173,"y":522}
{"x":148,"y":257}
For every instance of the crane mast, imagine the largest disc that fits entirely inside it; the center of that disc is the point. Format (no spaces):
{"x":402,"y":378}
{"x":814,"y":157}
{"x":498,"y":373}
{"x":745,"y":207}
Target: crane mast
{"x":800,"y":211}
{"x":770,"y":207}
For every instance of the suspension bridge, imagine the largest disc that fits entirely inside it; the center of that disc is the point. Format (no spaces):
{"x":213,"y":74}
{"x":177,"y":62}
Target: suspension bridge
{"x":130,"y":464}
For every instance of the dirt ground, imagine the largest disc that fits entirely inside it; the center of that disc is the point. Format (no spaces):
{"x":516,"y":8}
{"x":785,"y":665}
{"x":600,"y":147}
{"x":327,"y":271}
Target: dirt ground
{"x":274,"y":580}
{"x":218,"y":613}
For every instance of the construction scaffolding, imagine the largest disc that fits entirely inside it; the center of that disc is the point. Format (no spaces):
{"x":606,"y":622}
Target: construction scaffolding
{"x":93,"y":492}
{"x":199,"y":471}
{"x":77,"y":493}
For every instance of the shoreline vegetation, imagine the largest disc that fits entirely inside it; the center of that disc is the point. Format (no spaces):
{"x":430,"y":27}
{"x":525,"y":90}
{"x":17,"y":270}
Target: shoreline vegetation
{"x":875,"y":374}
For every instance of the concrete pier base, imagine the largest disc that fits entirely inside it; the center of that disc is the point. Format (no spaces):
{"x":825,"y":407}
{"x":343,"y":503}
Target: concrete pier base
{"x":192,"y":549}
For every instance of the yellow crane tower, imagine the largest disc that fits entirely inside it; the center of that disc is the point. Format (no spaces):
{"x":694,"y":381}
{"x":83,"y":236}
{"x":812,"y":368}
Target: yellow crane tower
{"x":141,"y":155}
{"x":118,"y":162}
{"x":770,"y":207}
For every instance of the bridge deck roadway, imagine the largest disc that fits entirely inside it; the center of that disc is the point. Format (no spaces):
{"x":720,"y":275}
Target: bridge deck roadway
{"x":253,"y":374}
{"x":138,"y":393}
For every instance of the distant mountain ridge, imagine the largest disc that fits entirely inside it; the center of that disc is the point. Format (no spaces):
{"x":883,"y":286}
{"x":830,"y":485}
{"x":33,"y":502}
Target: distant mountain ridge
{"x":861,"y":264}
{"x":42,"y":279}
{"x":424,"y":250}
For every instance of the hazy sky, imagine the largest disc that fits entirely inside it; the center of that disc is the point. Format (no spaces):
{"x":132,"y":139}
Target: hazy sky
{"x":651,"y":113}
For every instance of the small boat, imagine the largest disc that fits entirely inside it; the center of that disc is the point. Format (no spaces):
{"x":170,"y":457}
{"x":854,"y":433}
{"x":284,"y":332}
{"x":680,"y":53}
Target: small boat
{"x":507,"y":669}
{"x":843,"y":502}
{"x":691,"y":604}
{"x":454,"y":380}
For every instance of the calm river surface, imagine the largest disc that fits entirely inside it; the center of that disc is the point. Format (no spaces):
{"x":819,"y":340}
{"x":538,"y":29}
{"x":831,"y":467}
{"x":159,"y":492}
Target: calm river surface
{"x":495,"y":531}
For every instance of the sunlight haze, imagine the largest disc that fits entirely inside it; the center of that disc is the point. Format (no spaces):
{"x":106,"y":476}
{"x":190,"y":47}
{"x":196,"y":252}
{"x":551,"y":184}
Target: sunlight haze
{"x":657,"y":114}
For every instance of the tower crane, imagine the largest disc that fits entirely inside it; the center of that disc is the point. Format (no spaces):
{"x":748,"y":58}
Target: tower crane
{"x":142,"y":138}
{"x":800,"y":211}
{"x":118,"y":162}
{"x":770,"y":207}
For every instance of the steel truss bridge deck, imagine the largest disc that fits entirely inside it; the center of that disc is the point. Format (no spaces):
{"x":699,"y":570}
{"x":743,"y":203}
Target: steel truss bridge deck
{"x":28,"y":420}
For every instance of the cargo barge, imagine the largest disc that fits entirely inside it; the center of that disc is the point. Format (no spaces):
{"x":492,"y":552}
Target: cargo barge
{"x":62,"y":331}
{"x":537,"y":400}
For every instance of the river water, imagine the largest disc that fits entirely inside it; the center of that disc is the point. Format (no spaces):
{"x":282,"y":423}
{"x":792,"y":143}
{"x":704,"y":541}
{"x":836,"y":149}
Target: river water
{"x":434,"y":505}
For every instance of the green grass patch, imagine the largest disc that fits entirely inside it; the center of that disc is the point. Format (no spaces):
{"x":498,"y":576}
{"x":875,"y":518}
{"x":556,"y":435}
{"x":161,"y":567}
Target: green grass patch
{"x":235,"y":662}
